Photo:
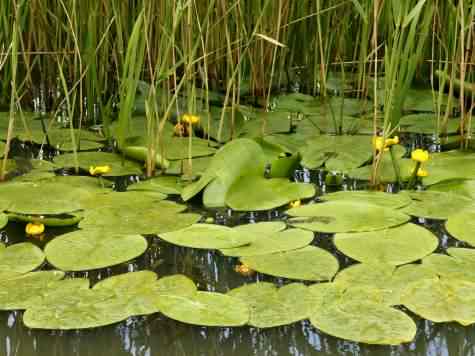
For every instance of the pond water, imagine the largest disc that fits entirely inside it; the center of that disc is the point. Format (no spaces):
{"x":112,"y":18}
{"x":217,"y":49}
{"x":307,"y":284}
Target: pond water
{"x":159,"y":335}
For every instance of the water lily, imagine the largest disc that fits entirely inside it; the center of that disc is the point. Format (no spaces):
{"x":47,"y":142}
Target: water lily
{"x":99,"y":170}
{"x":380,"y":143}
{"x":295,"y":203}
{"x":190,"y":119}
{"x":421,"y":172}
{"x":244,"y":270}
{"x":34,"y":229}
{"x":420,"y":155}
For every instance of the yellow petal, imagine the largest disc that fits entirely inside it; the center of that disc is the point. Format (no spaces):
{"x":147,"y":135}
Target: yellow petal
{"x":98,"y":170}
{"x":420,"y":155}
{"x":34,"y":229}
{"x":190,"y":119}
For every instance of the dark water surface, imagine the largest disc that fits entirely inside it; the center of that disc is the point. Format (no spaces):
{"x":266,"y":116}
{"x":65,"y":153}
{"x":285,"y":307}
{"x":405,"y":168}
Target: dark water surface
{"x":158,"y":335}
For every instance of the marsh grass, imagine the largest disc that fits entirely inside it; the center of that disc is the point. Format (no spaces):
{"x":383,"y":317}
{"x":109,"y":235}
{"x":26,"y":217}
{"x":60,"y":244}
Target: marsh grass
{"x":93,"y":51}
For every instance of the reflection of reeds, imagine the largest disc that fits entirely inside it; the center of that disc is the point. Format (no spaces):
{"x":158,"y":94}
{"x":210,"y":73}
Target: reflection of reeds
{"x":240,"y":47}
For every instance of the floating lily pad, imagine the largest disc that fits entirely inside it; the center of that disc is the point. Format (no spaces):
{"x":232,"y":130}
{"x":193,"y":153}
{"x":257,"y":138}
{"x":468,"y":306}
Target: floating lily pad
{"x":37,"y":198}
{"x":21,"y":291}
{"x":387,"y":200}
{"x":365,"y":322}
{"x":204,"y":308}
{"x":384,"y":282}
{"x":162,"y":184}
{"x":395,"y":246}
{"x":92,"y":249}
{"x":271,"y":306}
{"x":119,"y":166}
{"x":426,"y":124}
{"x":3,"y":220}
{"x":459,"y":264}
{"x":208,"y":236}
{"x":253,"y":193}
{"x":146,"y":218}
{"x":464,"y":187}
{"x":121,"y":200}
{"x":20,"y":258}
{"x":266,"y":243}
{"x":450,"y":165}
{"x":437,"y":205}
{"x":177,"y":284}
{"x":341,"y":216}
{"x":48,"y":220}
{"x":442,"y":300}
{"x":386,"y":170}
{"x":308,"y":263}
{"x":462,"y":226}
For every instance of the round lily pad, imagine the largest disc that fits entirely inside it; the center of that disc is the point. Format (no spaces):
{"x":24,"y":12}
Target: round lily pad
{"x":254,"y":193}
{"x":21,"y":291}
{"x":386,"y":200}
{"x":121,"y":200}
{"x":308,"y":263}
{"x":3,"y":220}
{"x":341,"y":216}
{"x":162,"y":184}
{"x":462,"y":226}
{"x":20,"y":258}
{"x":205,"y":309}
{"x":459,"y":264}
{"x":266,"y":243}
{"x":437,"y":205}
{"x":91,"y":249}
{"x":365,"y":322}
{"x":263,"y":227}
{"x":465,"y":187}
{"x":48,"y":220}
{"x":442,"y":300}
{"x":271,"y":306}
{"x":394,"y":246}
{"x":208,"y":236}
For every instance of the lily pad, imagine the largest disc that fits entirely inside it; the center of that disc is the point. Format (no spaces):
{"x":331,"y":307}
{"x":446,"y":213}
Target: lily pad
{"x":459,"y":264}
{"x":341,"y":216}
{"x":365,"y":322}
{"x":208,"y":236}
{"x":22,"y":290}
{"x":3,"y":220}
{"x":271,"y":306}
{"x":464,"y":187}
{"x":37,"y":198}
{"x":426,"y":124}
{"x":48,"y":220}
{"x":309,"y":263}
{"x":121,"y":200}
{"x":386,"y":200}
{"x":442,"y":300}
{"x":162,"y":184}
{"x":450,"y":165}
{"x":20,"y":258}
{"x":254,"y":193}
{"x":92,"y":249}
{"x":395,"y":246}
{"x":462,"y":226}
{"x":437,"y":205}
{"x":119,"y":165}
{"x":272,"y":242}
{"x":146,"y":218}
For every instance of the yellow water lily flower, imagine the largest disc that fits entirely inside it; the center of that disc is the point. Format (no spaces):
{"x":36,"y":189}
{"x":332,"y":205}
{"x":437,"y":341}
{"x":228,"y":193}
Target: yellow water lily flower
{"x":421,"y":172}
{"x":190,"y":119}
{"x":244,"y":270}
{"x":99,"y":170}
{"x":295,"y":203}
{"x":392,"y":141}
{"x":34,"y":229}
{"x":420,"y":155}
{"x":379,"y":143}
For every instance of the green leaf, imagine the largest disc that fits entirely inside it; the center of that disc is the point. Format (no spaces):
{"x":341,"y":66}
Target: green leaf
{"x":462,"y":226}
{"x":20,"y":258}
{"x":386,"y":200}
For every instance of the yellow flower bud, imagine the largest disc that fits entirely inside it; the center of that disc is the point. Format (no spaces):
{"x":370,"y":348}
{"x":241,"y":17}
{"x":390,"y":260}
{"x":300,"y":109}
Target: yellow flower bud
{"x":34,"y":229}
{"x":99,"y":170}
{"x":420,"y":155}
{"x":295,"y":203}
{"x":190,"y":119}
{"x":422,"y":172}
{"x":392,"y":141}
{"x":378,"y":143}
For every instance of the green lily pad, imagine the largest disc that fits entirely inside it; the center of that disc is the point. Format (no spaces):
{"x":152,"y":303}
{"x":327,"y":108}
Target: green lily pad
{"x":38,"y":198}
{"x":20,"y":258}
{"x":208,"y":236}
{"x":464,"y":187}
{"x":146,"y":218}
{"x":341,"y":216}
{"x":162,"y":184}
{"x":177,"y":284}
{"x":386,"y":170}
{"x":442,"y":300}
{"x":271,"y":242}
{"x":462,"y":226}
{"x":119,"y":165}
{"x":202,"y":308}
{"x":450,"y":165}
{"x":92,"y":249}
{"x":381,"y":282}
{"x":459,"y":264}
{"x":3,"y":220}
{"x":271,"y":306}
{"x":121,"y":200}
{"x":199,"y":166}
{"x":386,"y":200}
{"x":20,"y":291}
{"x":48,"y":220}
{"x":426,"y":124}
{"x":365,"y":322}
{"x":247,"y":159}
{"x":437,"y":205}
{"x":254,"y":193}
{"x":395,"y":246}
{"x":309,"y":263}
